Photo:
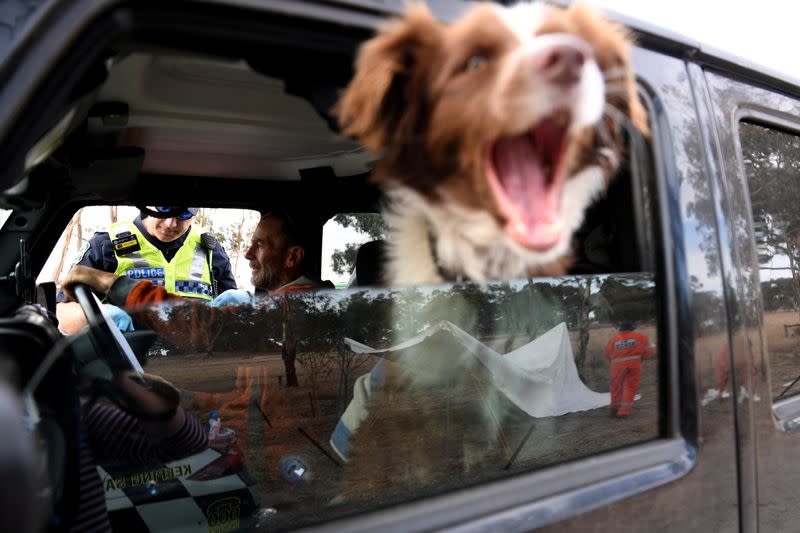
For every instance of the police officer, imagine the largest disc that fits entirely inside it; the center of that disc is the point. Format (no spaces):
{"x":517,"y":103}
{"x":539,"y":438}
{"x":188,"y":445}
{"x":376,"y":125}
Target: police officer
{"x":159,"y":245}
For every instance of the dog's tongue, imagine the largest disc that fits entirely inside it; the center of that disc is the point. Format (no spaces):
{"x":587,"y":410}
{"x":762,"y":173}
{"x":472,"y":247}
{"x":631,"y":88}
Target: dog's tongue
{"x":531,"y":200}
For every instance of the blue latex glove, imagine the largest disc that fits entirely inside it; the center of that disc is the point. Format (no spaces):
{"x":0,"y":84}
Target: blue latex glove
{"x":233,"y":297}
{"x":120,"y":318}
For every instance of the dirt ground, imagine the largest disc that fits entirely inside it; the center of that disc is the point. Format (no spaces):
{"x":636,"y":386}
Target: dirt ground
{"x":273,"y":422}
{"x":783,"y":353}
{"x":783,"y":345}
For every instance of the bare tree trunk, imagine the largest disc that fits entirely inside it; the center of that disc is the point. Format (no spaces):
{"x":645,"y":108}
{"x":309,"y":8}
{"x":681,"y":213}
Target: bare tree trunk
{"x":349,"y":363}
{"x":289,"y":348}
{"x":531,"y":329}
{"x":112,"y":211}
{"x":583,"y":322}
{"x":239,"y":243}
{"x":515,"y":325}
{"x":344,"y":378}
{"x":204,"y":219}
{"x":67,"y":241}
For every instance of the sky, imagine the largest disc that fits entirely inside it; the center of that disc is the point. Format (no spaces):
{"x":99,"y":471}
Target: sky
{"x":763,"y":31}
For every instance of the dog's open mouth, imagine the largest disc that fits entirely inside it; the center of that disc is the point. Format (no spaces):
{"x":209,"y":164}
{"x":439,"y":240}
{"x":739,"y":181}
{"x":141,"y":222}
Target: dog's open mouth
{"x":526,"y":174}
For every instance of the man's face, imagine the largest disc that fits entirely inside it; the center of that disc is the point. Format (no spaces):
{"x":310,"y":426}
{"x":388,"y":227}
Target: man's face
{"x":166,"y":229}
{"x":267,"y":255}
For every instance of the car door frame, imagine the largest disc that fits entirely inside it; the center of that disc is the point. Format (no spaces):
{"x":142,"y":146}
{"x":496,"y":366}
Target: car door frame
{"x":766,"y":428}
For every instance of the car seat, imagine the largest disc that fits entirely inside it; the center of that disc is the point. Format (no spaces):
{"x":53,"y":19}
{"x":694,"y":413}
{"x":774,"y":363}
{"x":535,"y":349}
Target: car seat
{"x":369,"y":265}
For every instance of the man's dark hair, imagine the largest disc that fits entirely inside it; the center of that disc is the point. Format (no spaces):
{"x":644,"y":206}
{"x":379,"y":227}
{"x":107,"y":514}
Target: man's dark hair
{"x":291,"y":231}
{"x":626,"y":326}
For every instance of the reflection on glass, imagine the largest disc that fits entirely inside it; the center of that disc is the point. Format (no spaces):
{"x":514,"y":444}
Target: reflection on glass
{"x":772,"y":166}
{"x":402,"y":392}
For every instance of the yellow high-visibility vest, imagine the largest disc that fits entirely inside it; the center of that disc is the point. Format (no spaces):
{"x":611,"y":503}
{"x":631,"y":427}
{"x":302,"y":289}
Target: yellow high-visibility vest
{"x":188,"y":274}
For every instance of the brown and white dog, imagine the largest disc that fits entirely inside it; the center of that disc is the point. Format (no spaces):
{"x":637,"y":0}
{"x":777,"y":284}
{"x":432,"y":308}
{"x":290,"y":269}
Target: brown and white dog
{"x":495,"y":133}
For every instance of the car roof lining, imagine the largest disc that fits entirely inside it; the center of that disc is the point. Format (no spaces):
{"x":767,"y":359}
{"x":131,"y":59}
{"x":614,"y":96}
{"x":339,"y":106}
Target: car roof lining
{"x":246,"y":108}
{"x":198,"y":37}
{"x":194,"y":116}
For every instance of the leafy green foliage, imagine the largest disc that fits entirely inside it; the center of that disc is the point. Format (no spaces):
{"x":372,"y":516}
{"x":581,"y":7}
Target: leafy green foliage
{"x":371,"y":225}
{"x":772,"y":165}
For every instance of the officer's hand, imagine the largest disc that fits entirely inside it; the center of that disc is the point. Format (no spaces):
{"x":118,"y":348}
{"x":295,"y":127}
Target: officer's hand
{"x":120,"y":318}
{"x":98,"y":280}
{"x":232,"y":297}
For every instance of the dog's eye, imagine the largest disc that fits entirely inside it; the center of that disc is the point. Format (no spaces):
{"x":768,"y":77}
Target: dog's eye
{"x":476,"y":62}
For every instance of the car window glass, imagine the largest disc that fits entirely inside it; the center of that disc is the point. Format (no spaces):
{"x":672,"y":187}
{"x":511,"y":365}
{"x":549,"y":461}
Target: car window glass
{"x":231,"y":227}
{"x":342,"y":237}
{"x":4,"y":214}
{"x":772,"y":165}
{"x":334,"y":401}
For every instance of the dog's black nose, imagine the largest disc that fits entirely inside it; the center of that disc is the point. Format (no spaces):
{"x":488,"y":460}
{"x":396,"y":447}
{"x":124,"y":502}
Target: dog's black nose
{"x":561,"y":61}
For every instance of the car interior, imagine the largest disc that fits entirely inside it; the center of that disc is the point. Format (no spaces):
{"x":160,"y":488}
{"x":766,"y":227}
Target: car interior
{"x":152,"y":108}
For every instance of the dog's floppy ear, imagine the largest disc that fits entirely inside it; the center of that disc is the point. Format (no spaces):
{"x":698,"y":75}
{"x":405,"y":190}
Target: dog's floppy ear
{"x":389,"y":67}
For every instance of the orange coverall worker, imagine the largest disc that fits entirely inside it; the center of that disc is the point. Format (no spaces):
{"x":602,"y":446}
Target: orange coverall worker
{"x":625,"y":351}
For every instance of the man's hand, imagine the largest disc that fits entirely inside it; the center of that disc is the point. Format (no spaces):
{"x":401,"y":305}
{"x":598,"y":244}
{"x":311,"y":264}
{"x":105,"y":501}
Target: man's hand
{"x":148,"y":393}
{"x":152,"y":396}
{"x":98,"y":280}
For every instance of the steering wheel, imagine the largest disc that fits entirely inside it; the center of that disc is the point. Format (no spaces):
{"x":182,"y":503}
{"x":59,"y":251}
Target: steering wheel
{"x":104,"y":334}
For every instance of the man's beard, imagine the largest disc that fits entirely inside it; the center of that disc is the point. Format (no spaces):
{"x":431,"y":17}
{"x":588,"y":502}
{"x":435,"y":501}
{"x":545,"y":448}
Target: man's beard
{"x":265,"y":279}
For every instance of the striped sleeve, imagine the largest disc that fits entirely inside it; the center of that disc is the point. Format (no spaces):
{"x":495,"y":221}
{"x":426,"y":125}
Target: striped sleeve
{"x":117,"y":435}
{"x":91,"y":514}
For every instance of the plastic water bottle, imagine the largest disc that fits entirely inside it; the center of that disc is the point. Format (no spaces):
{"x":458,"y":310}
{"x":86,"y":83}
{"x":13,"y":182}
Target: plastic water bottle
{"x":292,"y":469}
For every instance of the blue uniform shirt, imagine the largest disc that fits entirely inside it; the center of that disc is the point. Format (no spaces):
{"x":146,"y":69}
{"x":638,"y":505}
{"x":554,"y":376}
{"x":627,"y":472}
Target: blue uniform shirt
{"x":98,"y":253}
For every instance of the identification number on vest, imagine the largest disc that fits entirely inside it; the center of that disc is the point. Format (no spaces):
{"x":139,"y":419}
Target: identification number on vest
{"x":627,"y":343}
{"x":126,"y":244}
{"x":145,"y":273}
